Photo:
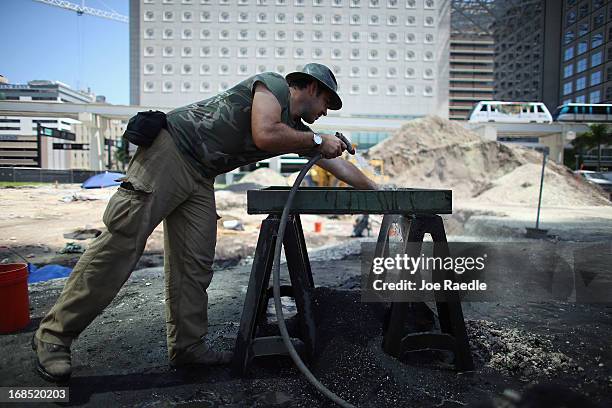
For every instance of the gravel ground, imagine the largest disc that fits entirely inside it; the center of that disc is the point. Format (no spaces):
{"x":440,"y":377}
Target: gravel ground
{"x":120,"y":360}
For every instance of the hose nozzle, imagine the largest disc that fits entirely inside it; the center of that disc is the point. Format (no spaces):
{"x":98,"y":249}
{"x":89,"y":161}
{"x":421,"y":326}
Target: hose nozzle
{"x":349,"y":145}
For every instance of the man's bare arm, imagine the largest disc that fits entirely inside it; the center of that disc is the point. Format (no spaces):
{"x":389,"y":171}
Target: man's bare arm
{"x":271,"y":135}
{"x":347,"y":172}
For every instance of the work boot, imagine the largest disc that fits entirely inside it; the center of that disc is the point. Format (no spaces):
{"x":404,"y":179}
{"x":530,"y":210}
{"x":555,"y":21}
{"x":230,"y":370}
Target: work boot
{"x":52,"y":361}
{"x":201,"y":354}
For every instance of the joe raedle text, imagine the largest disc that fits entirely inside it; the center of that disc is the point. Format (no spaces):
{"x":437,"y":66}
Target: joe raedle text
{"x":423,"y":285}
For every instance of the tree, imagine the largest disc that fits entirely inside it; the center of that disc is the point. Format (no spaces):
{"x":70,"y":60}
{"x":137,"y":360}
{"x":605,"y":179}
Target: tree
{"x":596,"y":136}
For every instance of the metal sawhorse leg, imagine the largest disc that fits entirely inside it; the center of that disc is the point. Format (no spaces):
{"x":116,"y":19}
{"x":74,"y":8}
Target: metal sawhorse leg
{"x":248,"y":344}
{"x":453,"y":336}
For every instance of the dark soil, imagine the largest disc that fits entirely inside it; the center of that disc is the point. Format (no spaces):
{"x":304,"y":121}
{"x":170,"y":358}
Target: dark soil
{"x":120,"y":360}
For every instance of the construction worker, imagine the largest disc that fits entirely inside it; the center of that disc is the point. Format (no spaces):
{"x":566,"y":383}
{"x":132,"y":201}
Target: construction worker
{"x":172,"y":181}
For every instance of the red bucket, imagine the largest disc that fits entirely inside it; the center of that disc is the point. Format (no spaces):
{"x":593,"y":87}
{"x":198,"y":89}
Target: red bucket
{"x":14,"y":300}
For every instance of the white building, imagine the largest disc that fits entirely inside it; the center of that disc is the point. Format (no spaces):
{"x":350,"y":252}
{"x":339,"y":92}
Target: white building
{"x":390,"y":57}
{"x":19,"y":144}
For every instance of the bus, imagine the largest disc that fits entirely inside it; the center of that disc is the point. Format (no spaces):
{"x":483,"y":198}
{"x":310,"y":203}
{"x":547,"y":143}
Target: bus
{"x":510,"y":112}
{"x":583,"y":112}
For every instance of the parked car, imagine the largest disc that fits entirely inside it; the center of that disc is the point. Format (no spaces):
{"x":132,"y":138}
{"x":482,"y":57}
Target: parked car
{"x":597,"y":178}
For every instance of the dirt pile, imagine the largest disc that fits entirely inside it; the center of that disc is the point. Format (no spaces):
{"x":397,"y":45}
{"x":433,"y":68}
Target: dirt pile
{"x":265,"y":177}
{"x":432,"y":152}
{"x":515,"y":352}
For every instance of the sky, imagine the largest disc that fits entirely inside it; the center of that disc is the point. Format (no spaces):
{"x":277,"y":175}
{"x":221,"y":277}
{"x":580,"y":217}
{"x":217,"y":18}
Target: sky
{"x":47,"y":42}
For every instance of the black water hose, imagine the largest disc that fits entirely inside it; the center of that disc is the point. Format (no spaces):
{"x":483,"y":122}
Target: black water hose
{"x":276,"y":287}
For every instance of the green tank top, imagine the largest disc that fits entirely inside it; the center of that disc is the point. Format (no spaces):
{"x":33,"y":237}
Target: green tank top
{"x":215,"y":134}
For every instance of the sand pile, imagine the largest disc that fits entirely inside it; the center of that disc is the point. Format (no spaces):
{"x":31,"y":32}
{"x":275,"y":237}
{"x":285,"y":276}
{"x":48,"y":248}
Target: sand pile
{"x":514,"y":351}
{"x":264,"y":177}
{"x":432,"y":152}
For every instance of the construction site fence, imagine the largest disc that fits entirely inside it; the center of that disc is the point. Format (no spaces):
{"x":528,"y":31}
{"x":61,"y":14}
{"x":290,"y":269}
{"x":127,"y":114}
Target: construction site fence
{"x":36,"y":175}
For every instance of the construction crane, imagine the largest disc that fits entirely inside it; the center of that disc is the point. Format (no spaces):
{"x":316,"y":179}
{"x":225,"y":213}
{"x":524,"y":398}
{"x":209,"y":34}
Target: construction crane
{"x":82,"y":9}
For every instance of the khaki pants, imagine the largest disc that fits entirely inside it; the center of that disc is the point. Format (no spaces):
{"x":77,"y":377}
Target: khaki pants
{"x":165,"y":187}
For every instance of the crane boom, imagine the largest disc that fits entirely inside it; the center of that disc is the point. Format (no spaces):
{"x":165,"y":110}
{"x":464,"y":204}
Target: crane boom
{"x":80,"y":10}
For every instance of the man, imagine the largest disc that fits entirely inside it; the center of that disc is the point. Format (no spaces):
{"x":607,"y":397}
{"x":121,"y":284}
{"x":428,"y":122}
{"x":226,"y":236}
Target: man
{"x":172,"y":181}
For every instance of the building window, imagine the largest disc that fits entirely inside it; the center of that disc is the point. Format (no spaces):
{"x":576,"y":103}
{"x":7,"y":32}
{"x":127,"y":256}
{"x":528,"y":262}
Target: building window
{"x":355,"y":36}
{"x":224,"y":52}
{"x":569,"y":54}
{"x":596,"y":59}
{"x":317,"y":35}
{"x":243,"y":2}
{"x":392,"y":20}
{"x":597,"y":40}
{"x":428,"y":73}
{"x":373,"y":90}
{"x":373,"y":37}
{"x":391,"y":55}
{"x":392,"y":3}
{"x":598,"y":20}
{"x":187,"y":16}
{"x":298,"y":53}
{"x":411,"y":21}
{"x":317,"y":3}
{"x":595,"y":78}
{"x":280,"y":35}
{"x":205,"y":16}
{"x":355,"y":3}
{"x":223,"y":85}
{"x":428,"y":39}
{"x":429,"y":21}
{"x":204,"y":87}
{"x":223,"y":70}
{"x":317,"y":53}
{"x":391,"y":90}
{"x":280,"y":69}
{"x":336,"y":36}
{"x":279,"y":52}
{"x":281,"y":18}
{"x":186,"y":52}
{"x":336,"y":53}
{"x":583,"y":10}
{"x":318,"y":19}
{"x":392,"y":72}
{"x":569,"y":36}
{"x":428,"y":56}
{"x":186,"y":69}
{"x":336,"y":3}
{"x":167,"y":87}
{"x":410,"y":38}
{"x":298,"y":36}
{"x":409,"y":73}
{"x":281,"y":2}
{"x":595,"y":96}
{"x":262,"y":34}
{"x":261,"y":52}
{"x":299,"y":3}
{"x":149,"y":16}
{"x":205,"y":34}
{"x":581,"y":99}
{"x":581,"y":65}
{"x":583,"y":46}
{"x":149,"y":69}
{"x":243,"y":17}
{"x":409,"y":90}
{"x":583,"y":29}
{"x":224,"y":35}
{"x":262,"y":18}
{"x":373,"y":72}
{"x":337,"y":19}
{"x":410,"y":4}
{"x":568,"y":71}
{"x":243,"y":52}
{"x":410,"y":55}
{"x":168,"y":34}
{"x":580,"y":83}
{"x":299,"y":18}
{"x":354,"y":71}
{"x":205,"y":52}
{"x":243,"y":35}
{"x":224,"y":17}
{"x":168,"y":16}
{"x":373,"y":55}
{"x":355,"y":19}
{"x":570,"y":18}
{"x":567,"y":88}
{"x":374,"y":3}
{"x":204,"y":69}
{"x":168,"y":52}
{"x":355,"y":55}
{"x":187,"y":34}
{"x":149,"y":33}
{"x":428,"y":91}
{"x":186,"y":87}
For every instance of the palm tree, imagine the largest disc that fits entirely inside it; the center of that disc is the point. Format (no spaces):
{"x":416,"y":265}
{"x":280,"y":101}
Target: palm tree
{"x":596,"y":136}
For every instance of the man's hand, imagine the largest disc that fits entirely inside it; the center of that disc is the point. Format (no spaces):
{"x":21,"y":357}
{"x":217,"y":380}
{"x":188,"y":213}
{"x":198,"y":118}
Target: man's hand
{"x":331,"y":146}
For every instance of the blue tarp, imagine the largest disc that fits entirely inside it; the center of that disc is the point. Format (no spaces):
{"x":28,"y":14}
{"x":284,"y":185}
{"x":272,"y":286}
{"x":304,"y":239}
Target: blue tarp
{"x":105,"y":179}
{"x":47,"y":272}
